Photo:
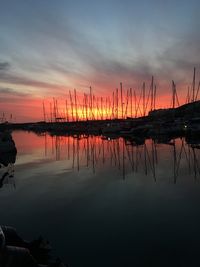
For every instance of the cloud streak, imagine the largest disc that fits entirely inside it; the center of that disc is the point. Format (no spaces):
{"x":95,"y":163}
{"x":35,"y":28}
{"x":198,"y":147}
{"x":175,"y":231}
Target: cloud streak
{"x":35,"y":84}
{"x":4,"y":66}
{"x":13,"y":93}
{"x":47,"y":49}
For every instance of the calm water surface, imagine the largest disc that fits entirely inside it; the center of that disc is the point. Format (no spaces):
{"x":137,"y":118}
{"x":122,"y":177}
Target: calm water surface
{"x":106,"y":202}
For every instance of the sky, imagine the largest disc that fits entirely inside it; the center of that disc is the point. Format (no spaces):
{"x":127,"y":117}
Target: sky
{"x":48,"y":47}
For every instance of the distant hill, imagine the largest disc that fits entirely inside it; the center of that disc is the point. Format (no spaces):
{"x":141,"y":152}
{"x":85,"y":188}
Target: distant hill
{"x":190,"y":110}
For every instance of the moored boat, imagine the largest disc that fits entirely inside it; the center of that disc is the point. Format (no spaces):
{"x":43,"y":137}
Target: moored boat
{"x":7,"y":144}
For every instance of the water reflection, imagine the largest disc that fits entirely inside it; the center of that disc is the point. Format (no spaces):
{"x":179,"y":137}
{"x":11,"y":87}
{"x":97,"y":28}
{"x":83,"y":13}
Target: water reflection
{"x":127,"y":155}
{"x":71,"y":189}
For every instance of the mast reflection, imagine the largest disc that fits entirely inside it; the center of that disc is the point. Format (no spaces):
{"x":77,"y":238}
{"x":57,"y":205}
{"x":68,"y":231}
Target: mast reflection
{"x":128,"y":156}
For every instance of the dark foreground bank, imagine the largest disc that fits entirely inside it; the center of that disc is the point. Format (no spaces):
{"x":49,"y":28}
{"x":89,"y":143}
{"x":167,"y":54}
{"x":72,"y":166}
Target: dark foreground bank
{"x":15,"y":251}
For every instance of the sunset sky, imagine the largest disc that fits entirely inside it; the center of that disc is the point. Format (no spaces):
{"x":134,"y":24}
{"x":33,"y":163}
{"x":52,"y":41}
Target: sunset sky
{"x":49,"y":47}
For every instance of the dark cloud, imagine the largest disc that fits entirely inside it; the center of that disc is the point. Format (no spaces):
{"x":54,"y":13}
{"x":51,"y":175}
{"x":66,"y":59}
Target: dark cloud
{"x":13,"y":92}
{"x":179,"y":59}
{"x":140,"y":69}
{"x":4,"y":66}
{"x":20,"y":80}
{"x":181,"y":56}
{"x":70,"y":47}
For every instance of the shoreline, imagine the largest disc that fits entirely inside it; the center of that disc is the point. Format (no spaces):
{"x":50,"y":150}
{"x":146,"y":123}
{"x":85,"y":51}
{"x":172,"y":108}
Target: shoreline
{"x":183,"y":121}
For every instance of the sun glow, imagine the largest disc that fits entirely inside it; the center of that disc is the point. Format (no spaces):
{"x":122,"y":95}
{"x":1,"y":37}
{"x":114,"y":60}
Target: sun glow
{"x":121,"y":104}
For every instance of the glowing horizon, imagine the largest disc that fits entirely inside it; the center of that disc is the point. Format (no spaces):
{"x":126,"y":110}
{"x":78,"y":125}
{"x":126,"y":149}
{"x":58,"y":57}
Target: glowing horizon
{"x":49,"y":48}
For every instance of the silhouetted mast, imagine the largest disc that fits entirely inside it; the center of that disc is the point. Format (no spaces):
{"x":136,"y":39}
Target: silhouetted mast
{"x":91,"y":103}
{"x":155,"y":91}
{"x":152,"y":92}
{"x":196,"y":97}
{"x":44,"y":113}
{"x":117,"y":103}
{"x":121,"y":91}
{"x":193,"y":85}
{"x":75,"y":100}
{"x":143,"y":99}
{"x":72,"y":106}
{"x":131,"y":100}
{"x":66,"y":110}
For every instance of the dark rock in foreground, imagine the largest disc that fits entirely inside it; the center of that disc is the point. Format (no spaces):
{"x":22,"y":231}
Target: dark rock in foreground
{"x":14,"y":251}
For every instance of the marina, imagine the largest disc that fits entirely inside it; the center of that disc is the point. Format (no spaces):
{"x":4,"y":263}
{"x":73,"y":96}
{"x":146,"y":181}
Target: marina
{"x":73,"y":172}
{"x":99,"y":133}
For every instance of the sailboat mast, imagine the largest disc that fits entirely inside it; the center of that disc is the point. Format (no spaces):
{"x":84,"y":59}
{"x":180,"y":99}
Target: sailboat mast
{"x":44,"y":113}
{"x":121,"y":91}
{"x":193,"y":85}
{"x":143,"y":98}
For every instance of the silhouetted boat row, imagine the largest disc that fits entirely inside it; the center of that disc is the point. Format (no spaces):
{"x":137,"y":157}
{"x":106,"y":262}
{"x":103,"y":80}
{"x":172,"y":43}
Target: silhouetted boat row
{"x":183,"y":121}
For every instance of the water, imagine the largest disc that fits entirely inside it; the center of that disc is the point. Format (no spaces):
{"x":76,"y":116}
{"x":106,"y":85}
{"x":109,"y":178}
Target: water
{"x":105,"y":202}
